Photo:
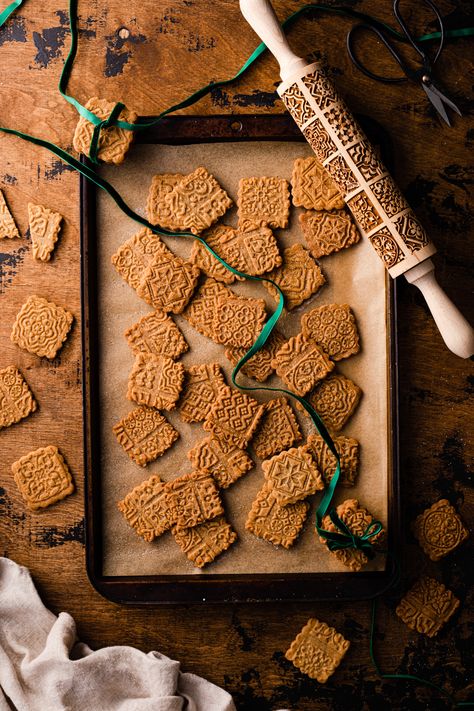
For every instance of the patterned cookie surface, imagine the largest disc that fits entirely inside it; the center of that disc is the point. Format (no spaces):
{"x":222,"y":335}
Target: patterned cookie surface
{"x":155,"y":381}
{"x":158,"y":212}
{"x":335,"y":400}
{"x":225,"y":462}
{"x":427,"y":606}
{"x":145,"y":509}
{"x":43,"y":477}
{"x":204,"y":542}
{"x":292,"y":475}
{"x":263,"y":202}
{"x":327,"y":232}
{"x":156,"y":333}
{"x":332,"y":327}
{"x":41,"y":327}
{"x":253,"y":251}
{"x":201,"y":310}
{"x":238,"y":321}
{"x":16,"y":398}
{"x":301,"y":364}
{"x":114,"y":142}
{"x":348,"y":450}
{"x":145,"y":434}
{"x":7,"y":223}
{"x":259,"y":366}
{"x":168,"y":283}
{"x":278,"y":429}
{"x":44,"y":225}
{"x":234,"y":418}
{"x":312,"y":186}
{"x":136,"y":254}
{"x":317,"y":650}
{"x":202,"y":258}
{"x":197,"y":201}
{"x":280,"y":525}
{"x":203,"y":384}
{"x":439,"y":530}
{"x":192,"y":499}
{"x":299,"y":277}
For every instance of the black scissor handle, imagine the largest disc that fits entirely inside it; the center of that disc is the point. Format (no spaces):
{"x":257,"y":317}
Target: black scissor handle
{"x":351,"y":51}
{"x":427,"y":62}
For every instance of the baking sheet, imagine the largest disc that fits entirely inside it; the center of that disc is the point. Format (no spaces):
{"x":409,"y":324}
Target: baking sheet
{"x":355,"y":276}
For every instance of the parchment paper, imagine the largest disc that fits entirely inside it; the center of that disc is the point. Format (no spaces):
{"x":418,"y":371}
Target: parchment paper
{"x":354,"y":276}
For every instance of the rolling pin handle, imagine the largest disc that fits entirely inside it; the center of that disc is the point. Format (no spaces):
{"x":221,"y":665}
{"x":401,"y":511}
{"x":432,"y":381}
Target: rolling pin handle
{"x":456,"y":331}
{"x":261,"y":17}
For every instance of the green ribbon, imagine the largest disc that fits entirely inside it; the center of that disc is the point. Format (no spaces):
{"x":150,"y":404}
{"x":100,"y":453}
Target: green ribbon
{"x":9,"y":10}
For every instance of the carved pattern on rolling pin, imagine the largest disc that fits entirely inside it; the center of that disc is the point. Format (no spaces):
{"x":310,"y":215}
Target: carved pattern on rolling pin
{"x":366,"y":160}
{"x":346,"y":130}
{"x":389,"y":196}
{"x":321,"y":88}
{"x":297,"y":105}
{"x":319,"y":140}
{"x":386,"y":247}
{"x":342,"y":175}
{"x":411,"y":232}
{"x":364,"y":211}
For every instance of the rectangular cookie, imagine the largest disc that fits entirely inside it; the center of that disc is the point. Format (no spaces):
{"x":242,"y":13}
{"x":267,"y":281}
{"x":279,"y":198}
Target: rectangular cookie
{"x":292,"y":475}
{"x":136,"y":254}
{"x":328,"y":232}
{"x":259,"y":366}
{"x":168,"y":283}
{"x":238,"y":321}
{"x":312,"y":186}
{"x":348,"y":451}
{"x":155,"y":381}
{"x":226,"y":463}
{"x":192,"y":499}
{"x":203,"y":543}
{"x":202,"y":308}
{"x":335,"y":400}
{"x":333,"y":328}
{"x":114,"y":142}
{"x":145,"y":434}
{"x":299,"y":277}
{"x":157,"y":334}
{"x":301,"y":364}
{"x":278,"y":429}
{"x":317,"y":650}
{"x":263,"y":202}
{"x":43,"y":477}
{"x":145,"y":509}
{"x":234,"y":418}
{"x":280,"y":525}
{"x":41,"y":327}
{"x":203,"y":385}
{"x":427,"y":607}
{"x":158,"y":213}
{"x":439,"y":530}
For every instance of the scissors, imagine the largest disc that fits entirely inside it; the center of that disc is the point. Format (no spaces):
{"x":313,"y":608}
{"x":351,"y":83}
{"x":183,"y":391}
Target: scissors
{"x":421,"y":75}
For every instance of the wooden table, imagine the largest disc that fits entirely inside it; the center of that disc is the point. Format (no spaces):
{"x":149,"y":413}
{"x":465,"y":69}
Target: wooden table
{"x":170,"y":49}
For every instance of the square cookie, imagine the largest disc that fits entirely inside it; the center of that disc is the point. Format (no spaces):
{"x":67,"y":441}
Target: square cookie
{"x":226,"y":463}
{"x":312,"y":186}
{"x":155,"y":381}
{"x":43,"y":477}
{"x":328,"y":232}
{"x":157,"y":334}
{"x":439,"y":530}
{"x":238,"y":321}
{"x":333,"y":328}
{"x":203,"y":543}
{"x":263,"y":202}
{"x":145,"y":434}
{"x":202,"y":387}
{"x":259,"y":366}
{"x":201,"y":311}
{"x":8,"y":227}
{"x":197,"y":201}
{"x":427,"y":606}
{"x":280,"y":525}
{"x":41,"y":327}
{"x":193,"y":498}
{"x":16,"y":398}
{"x":202,"y":257}
{"x":44,"y":225}
{"x":348,"y":450}
{"x":335,"y":400}
{"x":317,"y":650}
{"x":253,"y":251}
{"x":292,"y":475}
{"x":158,"y":212}
{"x":168,"y":283}
{"x":278,"y":429}
{"x":234,"y":418}
{"x":134,"y":256}
{"x":114,"y":142}
{"x":301,"y":364}
{"x":299,"y":277}
{"x":145,"y":509}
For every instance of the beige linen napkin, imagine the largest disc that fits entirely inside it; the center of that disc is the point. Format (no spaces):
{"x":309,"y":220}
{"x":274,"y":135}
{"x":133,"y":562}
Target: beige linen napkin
{"x":44,"y":668}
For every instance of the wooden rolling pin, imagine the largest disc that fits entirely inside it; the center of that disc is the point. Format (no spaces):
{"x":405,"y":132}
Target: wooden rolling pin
{"x":379,"y":208}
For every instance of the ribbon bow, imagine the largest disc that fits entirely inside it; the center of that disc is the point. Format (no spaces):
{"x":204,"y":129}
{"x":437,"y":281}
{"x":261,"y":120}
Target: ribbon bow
{"x":344,"y":538}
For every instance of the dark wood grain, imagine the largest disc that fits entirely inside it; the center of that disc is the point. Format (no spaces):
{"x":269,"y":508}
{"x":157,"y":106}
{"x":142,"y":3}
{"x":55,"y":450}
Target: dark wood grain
{"x":174,"y":48}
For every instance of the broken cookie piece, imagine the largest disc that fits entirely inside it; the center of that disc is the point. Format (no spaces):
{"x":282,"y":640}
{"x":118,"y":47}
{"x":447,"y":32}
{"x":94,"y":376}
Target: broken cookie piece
{"x":44,"y":227}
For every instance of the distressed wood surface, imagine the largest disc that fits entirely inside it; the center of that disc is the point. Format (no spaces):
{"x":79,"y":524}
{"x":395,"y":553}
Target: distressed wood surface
{"x":173,"y":48}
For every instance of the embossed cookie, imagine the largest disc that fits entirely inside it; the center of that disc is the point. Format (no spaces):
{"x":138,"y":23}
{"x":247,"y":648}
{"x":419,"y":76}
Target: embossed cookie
{"x":278,"y":429}
{"x":259,"y":366}
{"x":41,"y":327}
{"x":299,"y":277}
{"x":356,"y":518}
{"x":168,"y":283}
{"x":203,"y":543}
{"x":202,"y":308}
{"x":43,"y":477}
{"x":157,"y":211}
{"x":427,"y":606}
{"x":439,"y":530}
{"x":225,"y":462}
{"x":136,"y":254}
{"x":312,"y":186}
{"x":155,"y":381}
{"x":292,"y":475}
{"x":145,"y":434}
{"x":16,"y":398}
{"x":301,"y":364}
{"x":114,"y":142}
{"x":197,"y":201}
{"x":327,"y":232}
{"x":348,"y":451}
{"x":192,"y":499}
{"x":238,"y":321}
{"x":145,"y":509}
{"x":234,"y":418}
{"x":156,"y":333}
{"x":44,"y":225}
{"x":263,"y":202}
{"x":253,"y":251}
{"x":202,"y":257}
{"x":317,"y":650}
{"x":8,"y":227}
{"x":280,"y":525}
{"x":335,"y":400}
{"x":333,"y":328}
{"x":203,"y":385}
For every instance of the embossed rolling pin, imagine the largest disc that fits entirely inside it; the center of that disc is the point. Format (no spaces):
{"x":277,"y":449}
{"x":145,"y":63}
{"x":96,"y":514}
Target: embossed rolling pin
{"x":379,"y":208}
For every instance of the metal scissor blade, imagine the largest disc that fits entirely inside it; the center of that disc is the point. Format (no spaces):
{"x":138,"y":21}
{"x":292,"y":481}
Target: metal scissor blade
{"x":444,"y":98}
{"x":437,"y":102}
